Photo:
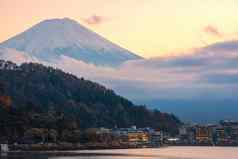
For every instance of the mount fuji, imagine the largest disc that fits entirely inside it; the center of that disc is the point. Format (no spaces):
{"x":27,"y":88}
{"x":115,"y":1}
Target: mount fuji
{"x":51,"y":39}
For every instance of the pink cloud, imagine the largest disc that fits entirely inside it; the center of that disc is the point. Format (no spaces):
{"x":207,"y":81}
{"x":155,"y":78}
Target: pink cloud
{"x":209,"y":29}
{"x":94,"y":20}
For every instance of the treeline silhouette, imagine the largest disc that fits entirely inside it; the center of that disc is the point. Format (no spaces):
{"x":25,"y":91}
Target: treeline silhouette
{"x":35,"y":96}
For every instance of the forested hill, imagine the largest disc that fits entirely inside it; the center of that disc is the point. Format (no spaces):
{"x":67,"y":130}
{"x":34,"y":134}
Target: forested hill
{"x":32,"y":89}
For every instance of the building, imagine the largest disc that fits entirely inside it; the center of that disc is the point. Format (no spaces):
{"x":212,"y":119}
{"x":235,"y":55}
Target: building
{"x":137,"y":137}
{"x":156,"y":138}
{"x":187,"y":134}
{"x":203,"y":135}
{"x":221,"y":136}
{"x":4,"y":147}
{"x":132,"y":136}
{"x":183,"y":131}
{"x":228,"y":133}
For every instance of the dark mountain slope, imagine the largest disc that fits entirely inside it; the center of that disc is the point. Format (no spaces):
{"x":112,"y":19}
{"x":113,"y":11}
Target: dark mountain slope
{"x":38,"y":89}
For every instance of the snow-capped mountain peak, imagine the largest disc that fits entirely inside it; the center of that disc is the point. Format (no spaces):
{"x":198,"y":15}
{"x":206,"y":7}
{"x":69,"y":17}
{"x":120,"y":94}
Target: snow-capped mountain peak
{"x":55,"y":37}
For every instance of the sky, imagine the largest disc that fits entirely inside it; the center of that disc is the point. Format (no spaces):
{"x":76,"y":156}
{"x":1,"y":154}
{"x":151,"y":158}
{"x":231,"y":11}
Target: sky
{"x":149,"y":28}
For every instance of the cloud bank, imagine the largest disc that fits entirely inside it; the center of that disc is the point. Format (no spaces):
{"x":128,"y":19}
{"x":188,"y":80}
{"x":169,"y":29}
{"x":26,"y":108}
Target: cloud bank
{"x":206,"y":74}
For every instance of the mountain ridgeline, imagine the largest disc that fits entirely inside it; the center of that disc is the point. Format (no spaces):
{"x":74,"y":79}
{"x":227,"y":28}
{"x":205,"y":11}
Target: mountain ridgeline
{"x":71,"y":39}
{"x":33,"y":90}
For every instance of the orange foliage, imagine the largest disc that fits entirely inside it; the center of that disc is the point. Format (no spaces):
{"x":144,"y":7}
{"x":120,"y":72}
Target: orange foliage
{"x":6,"y":101}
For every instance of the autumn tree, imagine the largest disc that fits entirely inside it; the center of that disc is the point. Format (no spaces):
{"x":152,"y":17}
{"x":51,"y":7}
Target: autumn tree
{"x":5,"y":101}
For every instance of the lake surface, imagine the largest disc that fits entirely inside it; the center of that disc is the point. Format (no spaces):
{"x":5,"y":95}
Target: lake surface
{"x":161,"y":153}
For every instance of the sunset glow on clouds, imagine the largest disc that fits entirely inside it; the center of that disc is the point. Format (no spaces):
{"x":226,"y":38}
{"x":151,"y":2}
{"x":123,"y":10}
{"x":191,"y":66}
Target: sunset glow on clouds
{"x":199,"y":74}
{"x":190,"y":49}
{"x":202,"y":80}
{"x":149,"y":28}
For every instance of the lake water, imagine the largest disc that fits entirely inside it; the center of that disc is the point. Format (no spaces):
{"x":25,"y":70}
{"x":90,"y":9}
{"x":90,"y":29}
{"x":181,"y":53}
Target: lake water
{"x":161,"y":153}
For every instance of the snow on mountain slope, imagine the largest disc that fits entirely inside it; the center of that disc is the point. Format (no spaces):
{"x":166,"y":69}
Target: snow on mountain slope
{"x":52,"y":38}
{"x":15,"y":56}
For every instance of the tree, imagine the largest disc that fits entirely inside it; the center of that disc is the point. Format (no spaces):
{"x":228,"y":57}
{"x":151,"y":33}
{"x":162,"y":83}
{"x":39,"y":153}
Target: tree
{"x":6,"y":102}
{"x":36,"y":133}
{"x":53,"y":135}
{"x":42,"y":134}
{"x":2,"y":90}
{"x":83,"y":103}
{"x":91,"y":134}
{"x":71,"y":136}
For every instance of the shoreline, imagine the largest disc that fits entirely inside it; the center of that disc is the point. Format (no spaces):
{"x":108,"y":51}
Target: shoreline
{"x":72,"y":147}
{"x":91,"y":152}
{"x":49,"y":148}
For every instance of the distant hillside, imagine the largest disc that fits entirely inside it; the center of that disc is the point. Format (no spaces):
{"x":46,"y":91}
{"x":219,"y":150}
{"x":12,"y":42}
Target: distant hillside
{"x":35,"y":89}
